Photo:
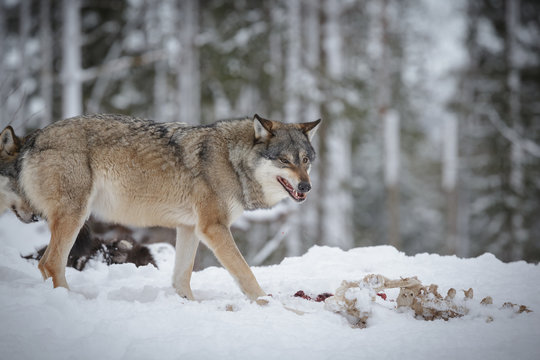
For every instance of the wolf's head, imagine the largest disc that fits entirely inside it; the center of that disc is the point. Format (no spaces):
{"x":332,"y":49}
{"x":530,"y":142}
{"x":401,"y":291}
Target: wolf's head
{"x":287,"y":154}
{"x":10,"y":148}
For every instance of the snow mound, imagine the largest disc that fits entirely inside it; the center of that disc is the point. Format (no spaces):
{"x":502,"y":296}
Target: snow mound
{"x":125,"y":312}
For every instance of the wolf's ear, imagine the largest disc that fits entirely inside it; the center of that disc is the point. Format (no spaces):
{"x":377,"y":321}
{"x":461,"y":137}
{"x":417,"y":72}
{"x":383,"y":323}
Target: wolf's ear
{"x":263,"y":128}
{"x":310,"y":128}
{"x":9,"y":143}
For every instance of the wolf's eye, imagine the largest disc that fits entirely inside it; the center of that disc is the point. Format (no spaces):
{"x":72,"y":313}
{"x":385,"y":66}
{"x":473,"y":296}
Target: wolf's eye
{"x":283,"y":161}
{"x":305,"y":160}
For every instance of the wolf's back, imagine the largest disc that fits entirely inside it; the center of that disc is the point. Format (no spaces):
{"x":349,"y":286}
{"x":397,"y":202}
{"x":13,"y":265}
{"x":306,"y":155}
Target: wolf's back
{"x":124,"y":169}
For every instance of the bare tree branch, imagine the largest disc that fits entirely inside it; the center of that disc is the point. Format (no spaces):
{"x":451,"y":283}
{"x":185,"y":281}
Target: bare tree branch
{"x":271,"y":245}
{"x":123,"y":63}
{"x":510,"y":134}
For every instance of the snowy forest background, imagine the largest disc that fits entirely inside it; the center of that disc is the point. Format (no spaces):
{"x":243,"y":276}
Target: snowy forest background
{"x":430,"y":138}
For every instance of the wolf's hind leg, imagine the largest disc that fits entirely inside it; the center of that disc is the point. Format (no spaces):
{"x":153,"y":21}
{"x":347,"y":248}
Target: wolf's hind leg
{"x":186,"y":249}
{"x":64,"y":230}
{"x":59,"y":184}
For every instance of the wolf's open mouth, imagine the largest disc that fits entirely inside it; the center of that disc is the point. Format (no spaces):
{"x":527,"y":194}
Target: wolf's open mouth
{"x":298,"y":196}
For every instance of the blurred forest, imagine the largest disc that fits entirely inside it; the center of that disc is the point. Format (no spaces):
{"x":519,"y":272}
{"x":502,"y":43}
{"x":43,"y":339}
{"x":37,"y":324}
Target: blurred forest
{"x":430,"y":139}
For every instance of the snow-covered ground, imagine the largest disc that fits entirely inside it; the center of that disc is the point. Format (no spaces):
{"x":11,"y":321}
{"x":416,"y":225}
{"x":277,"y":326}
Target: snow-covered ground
{"x":124,"y":312}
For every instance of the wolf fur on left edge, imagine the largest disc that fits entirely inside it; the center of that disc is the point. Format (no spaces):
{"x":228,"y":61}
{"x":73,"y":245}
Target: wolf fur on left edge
{"x":10,"y":148}
{"x":197,"y":179}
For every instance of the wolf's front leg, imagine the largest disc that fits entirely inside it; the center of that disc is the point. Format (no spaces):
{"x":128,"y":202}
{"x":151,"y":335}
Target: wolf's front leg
{"x":186,"y":249}
{"x":219,"y":239}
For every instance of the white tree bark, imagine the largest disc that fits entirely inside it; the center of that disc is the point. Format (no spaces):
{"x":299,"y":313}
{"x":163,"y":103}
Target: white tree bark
{"x":71,"y":57}
{"x":46,"y":76}
{"x":189,"y":72}
{"x":23,"y":71}
{"x":160,"y":91}
{"x":449,"y":182}
{"x":338,"y":201}
{"x":160,"y":25}
{"x":390,"y":124}
{"x":292,"y":66}
{"x":292,"y":108}
{"x":450,"y":154}
{"x":276,"y":57}
{"x":312,"y":51}
{"x":3,"y":75}
{"x":519,"y":234}
{"x":312,"y":111}
{"x":332,"y":42}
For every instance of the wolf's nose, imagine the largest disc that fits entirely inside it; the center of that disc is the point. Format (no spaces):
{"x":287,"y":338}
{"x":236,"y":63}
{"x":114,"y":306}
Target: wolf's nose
{"x":304,"y":186}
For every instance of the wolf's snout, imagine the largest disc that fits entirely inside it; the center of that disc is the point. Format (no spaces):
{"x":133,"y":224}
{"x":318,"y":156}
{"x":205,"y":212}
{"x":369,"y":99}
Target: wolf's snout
{"x":304,"y":186}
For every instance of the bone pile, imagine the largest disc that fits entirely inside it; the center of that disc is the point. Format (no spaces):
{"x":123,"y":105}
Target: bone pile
{"x":355,"y":299}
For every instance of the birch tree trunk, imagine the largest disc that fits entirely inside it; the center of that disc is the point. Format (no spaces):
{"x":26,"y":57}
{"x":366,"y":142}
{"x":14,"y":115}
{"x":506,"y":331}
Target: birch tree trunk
{"x":292,"y":108}
{"x":46,"y":76}
{"x":338,"y":204}
{"x":189,"y":72}
{"x":3,"y":75}
{"x":312,"y":111}
{"x":292,"y":102}
{"x":513,"y":82}
{"x":24,"y":33}
{"x":158,"y":26}
{"x":449,"y":182}
{"x":390,"y":124}
{"x":276,"y":58}
{"x":160,"y":90}
{"x":311,"y":55}
{"x":71,"y":55}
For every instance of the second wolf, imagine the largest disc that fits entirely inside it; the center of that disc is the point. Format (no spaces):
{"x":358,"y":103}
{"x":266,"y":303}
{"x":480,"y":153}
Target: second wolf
{"x":137,"y":172}
{"x":10,"y":148}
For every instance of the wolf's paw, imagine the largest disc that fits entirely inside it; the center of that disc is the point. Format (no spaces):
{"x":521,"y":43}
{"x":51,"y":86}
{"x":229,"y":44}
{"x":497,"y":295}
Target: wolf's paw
{"x":45,"y":270}
{"x":263,"y":300}
{"x":186,"y":294}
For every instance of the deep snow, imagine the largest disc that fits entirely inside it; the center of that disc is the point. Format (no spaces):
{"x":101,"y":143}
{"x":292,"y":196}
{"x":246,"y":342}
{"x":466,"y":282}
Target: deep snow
{"x":124,"y":312}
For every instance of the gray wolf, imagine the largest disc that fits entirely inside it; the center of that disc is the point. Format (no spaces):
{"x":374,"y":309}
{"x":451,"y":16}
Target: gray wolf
{"x":197,"y":179}
{"x":10,"y":147}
